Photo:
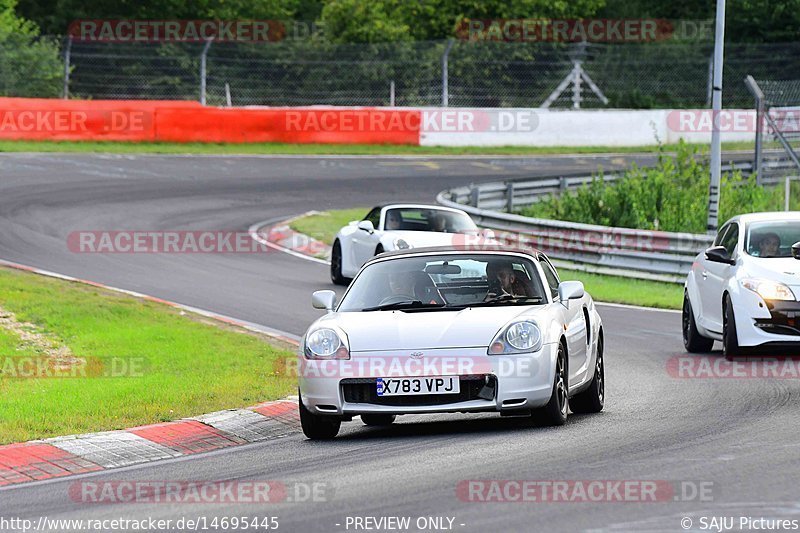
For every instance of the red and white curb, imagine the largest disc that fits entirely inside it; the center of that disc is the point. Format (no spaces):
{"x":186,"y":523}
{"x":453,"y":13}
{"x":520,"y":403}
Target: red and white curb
{"x":92,"y":452}
{"x":79,"y":454}
{"x":278,"y":235}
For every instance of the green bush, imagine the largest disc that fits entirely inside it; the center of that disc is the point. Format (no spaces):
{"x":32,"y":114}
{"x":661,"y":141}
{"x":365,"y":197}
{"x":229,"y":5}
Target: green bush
{"x":29,"y":65}
{"x":672,"y":196}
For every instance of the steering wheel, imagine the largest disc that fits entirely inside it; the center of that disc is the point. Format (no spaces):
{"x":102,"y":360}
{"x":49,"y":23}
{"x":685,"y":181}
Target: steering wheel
{"x":396,"y":299}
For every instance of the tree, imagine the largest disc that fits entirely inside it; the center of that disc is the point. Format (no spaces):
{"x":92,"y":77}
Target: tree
{"x":29,"y":65}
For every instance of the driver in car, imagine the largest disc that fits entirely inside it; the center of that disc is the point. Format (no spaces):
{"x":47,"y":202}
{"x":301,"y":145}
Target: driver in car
{"x":402,"y":284}
{"x":769,"y":245}
{"x":504,"y":281}
{"x":393,"y":220}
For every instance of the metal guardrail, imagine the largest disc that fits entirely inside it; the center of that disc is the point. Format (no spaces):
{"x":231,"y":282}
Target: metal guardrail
{"x":658,"y":255}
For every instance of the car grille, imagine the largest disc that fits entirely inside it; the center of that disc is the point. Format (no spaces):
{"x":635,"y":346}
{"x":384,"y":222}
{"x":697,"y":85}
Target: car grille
{"x":365,"y":390}
{"x":784,"y":318}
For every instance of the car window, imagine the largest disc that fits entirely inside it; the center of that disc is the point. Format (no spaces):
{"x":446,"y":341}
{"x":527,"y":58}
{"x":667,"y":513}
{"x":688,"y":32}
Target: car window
{"x":424,"y":219}
{"x":721,"y":234}
{"x":550,"y":275}
{"x":771,"y":238}
{"x":446,"y":281}
{"x":730,"y":239}
{"x":374,"y":216}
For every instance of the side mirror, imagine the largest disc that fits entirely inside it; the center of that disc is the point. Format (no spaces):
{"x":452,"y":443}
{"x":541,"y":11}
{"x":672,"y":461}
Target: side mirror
{"x":323,"y":300}
{"x":366,"y":225}
{"x":796,"y":250}
{"x":570,"y":290}
{"x":718,"y":254}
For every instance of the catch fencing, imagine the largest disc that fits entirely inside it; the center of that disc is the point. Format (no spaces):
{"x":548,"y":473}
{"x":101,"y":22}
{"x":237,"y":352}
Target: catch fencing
{"x":458,"y":73}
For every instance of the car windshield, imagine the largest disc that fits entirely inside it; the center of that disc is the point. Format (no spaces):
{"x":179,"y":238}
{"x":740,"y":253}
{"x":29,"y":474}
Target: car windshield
{"x":772,"y":239}
{"x":445,"y":282}
{"x":418,"y":219}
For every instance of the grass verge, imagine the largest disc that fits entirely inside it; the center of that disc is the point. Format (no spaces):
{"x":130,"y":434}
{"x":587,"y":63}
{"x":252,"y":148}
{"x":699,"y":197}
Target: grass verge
{"x":321,"y":149}
{"x":325,"y":225}
{"x":164,"y":364}
{"x":603,"y":288}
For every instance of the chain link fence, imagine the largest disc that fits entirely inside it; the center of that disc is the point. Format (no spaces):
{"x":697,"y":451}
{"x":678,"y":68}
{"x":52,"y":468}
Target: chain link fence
{"x":435,"y":73}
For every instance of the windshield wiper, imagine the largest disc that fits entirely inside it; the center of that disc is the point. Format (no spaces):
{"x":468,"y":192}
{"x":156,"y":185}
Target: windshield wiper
{"x":408,"y":304}
{"x":507,"y":299}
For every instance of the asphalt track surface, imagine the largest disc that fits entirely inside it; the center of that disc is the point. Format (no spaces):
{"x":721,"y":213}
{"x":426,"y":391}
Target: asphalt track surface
{"x":739,"y":434}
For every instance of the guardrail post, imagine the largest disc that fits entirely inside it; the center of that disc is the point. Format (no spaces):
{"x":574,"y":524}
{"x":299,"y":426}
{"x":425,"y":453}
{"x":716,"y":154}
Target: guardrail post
{"x":562,"y":185}
{"x":509,"y":196}
{"x":474,"y":195}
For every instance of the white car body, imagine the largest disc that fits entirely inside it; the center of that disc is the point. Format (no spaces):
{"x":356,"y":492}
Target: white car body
{"x":758,"y":319}
{"x":522,"y":382}
{"x":358,"y":245}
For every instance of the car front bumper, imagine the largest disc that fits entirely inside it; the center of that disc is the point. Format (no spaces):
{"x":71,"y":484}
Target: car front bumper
{"x":488,"y":383}
{"x":762,"y":322}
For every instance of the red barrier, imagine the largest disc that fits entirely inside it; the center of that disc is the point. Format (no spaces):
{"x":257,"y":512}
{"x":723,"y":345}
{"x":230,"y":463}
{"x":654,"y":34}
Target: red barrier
{"x":180,"y":121}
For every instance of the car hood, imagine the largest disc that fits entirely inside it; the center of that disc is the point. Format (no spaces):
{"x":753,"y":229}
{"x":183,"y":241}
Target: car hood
{"x":421,"y":239}
{"x":397,"y":330}
{"x":783,"y":269}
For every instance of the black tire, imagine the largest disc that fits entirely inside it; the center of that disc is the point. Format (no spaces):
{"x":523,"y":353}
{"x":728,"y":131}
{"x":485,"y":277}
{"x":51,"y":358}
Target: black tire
{"x":692,"y":340}
{"x":336,"y":264}
{"x":317,"y":427}
{"x":730,"y":340}
{"x":377,"y":420}
{"x":591,"y":400}
{"x":379,"y":249}
{"x":555,"y":412}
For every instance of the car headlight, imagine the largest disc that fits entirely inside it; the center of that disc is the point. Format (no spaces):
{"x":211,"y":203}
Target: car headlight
{"x":769,"y":290}
{"x":518,"y":337}
{"x":401,"y":244}
{"x":326,"y":343}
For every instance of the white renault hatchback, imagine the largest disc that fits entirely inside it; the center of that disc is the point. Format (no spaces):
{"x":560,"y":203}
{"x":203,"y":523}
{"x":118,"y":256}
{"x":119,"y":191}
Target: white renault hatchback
{"x":443,"y":330}
{"x":744,"y":290}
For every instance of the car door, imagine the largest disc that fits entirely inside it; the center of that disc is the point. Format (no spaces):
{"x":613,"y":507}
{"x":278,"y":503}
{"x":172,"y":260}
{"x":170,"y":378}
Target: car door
{"x":364,"y":242}
{"x":575,"y":321}
{"x":714,"y":277}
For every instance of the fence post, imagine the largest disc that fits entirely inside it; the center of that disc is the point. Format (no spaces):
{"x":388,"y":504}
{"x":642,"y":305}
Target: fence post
{"x":203,"y":57}
{"x":509,"y":196}
{"x":228,"y":94}
{"x":445,"y":81}
{"x":391,"y":93}
{"x":67,"y":53}
{"x":758,"y":94}
{"x":474,"y":195}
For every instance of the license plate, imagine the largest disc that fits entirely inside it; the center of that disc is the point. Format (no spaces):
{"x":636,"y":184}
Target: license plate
{"x":414,"y":386}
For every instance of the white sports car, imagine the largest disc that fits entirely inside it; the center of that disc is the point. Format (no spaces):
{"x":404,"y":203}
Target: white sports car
{"x":397,"y":227}
{"x":451,"y":330}
{"x":744,"y":290}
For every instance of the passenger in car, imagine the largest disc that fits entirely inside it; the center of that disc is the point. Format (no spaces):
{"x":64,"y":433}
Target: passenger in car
{"x":504,"y":280}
